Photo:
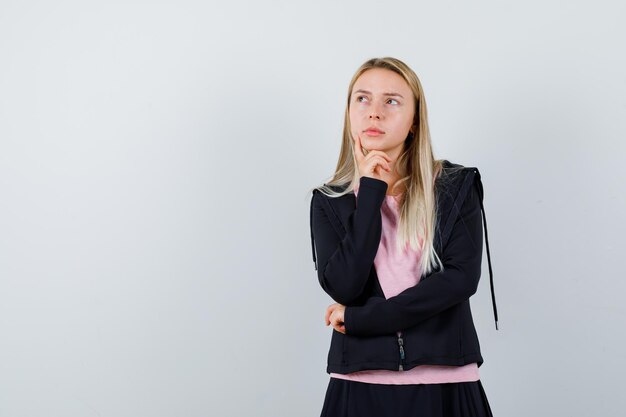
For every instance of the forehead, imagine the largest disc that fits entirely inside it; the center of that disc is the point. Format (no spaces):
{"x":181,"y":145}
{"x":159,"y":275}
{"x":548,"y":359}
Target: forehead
{"x":379,"y":80}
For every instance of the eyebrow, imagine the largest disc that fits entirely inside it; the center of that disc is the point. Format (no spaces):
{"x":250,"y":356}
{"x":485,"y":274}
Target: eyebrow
{"x":384,"y":94}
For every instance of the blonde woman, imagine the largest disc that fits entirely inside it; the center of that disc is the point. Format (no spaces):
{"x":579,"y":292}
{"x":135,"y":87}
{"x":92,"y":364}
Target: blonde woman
{"x":397,"y":243}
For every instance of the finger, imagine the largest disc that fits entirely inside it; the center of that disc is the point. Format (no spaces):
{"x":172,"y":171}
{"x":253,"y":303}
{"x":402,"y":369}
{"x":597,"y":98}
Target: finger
{"x":382,"y":164}
{"x":358,"y":148}
{"x":376,"y":162}
{"x":336,"y":320}
{"x":375,"y":152}
{"x":338,"y":325}
{"x":333,"y":321}
{"x":329,"y":311}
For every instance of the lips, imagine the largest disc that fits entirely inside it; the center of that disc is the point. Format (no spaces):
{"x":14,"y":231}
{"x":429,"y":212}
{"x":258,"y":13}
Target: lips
{"x":373,"y":130}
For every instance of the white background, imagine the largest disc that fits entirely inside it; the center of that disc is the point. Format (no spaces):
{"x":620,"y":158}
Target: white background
{"x":155,"y":166}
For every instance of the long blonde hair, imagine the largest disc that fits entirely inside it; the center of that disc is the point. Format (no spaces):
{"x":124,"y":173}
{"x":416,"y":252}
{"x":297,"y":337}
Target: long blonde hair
{"x":418,"y":207}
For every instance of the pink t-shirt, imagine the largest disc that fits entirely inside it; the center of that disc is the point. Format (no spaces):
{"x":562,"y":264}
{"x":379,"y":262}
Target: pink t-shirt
{"x":396,"y":272}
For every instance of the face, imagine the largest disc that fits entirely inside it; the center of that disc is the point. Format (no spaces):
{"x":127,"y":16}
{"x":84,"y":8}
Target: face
{"x":383,"y":100}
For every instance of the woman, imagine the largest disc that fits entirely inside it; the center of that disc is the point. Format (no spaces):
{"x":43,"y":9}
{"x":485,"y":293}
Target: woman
{"x":397,"y":243}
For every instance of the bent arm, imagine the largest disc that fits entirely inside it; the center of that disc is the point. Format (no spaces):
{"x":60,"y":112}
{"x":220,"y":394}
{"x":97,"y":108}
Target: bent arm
{"x":434,"y":293}
{"x":345,"y":254}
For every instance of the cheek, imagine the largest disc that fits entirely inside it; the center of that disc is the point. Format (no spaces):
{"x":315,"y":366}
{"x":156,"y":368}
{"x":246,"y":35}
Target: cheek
{"x":403,"y":124}
{"x":358,"y":109}
{"x":355,"y":119}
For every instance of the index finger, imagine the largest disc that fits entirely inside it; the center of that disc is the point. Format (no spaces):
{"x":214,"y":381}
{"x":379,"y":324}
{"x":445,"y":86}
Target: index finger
{"x":358,"y":151}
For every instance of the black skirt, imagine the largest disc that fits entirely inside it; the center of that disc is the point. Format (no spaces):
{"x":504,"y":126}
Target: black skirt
{"x":346,"y":398}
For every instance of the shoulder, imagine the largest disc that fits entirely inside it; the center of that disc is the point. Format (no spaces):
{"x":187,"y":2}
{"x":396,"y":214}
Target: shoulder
{"x":452,"y":168}
{"x":326,"y":190}
{"x":453,"y":176}
{"x":458,"y":186}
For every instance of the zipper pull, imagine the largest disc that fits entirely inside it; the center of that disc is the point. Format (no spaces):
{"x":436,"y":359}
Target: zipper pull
{"x":401,"y":345}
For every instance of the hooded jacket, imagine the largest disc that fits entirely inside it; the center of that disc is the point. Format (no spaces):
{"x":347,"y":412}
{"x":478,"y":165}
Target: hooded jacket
{"x":433,"y":317}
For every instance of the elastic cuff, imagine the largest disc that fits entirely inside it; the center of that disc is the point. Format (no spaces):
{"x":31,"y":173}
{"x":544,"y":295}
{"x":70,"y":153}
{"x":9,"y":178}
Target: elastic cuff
{"x":347,"y":319}
{"x":373,"y":183}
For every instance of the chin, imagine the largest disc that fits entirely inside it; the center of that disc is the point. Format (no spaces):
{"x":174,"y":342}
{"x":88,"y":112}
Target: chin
{"x":376,"y":145}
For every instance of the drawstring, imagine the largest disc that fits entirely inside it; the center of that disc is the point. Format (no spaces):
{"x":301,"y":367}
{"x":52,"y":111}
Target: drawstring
{"x":493,"y":296}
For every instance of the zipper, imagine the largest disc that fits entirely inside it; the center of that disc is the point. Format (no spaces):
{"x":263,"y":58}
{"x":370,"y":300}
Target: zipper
{"x":401,"y":345}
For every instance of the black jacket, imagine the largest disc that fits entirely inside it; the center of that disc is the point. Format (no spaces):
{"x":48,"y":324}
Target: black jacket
{"x":434,"y":316}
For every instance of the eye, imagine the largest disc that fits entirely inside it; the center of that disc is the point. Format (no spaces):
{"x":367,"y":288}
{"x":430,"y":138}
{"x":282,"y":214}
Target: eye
{"x":358,"y":98}
{"x":393,"y":99}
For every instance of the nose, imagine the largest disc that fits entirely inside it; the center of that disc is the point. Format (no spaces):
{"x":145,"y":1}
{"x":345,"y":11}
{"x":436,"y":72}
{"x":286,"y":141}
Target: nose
{"x":375,"y":113}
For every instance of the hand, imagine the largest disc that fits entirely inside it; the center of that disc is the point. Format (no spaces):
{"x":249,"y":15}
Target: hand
{"x":370,"y":165}
{"x":334,"y":317}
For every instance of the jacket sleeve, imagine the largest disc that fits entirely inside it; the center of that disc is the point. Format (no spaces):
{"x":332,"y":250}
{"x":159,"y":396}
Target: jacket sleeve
{"x":435,"y":292}
{"x":345,"y":255}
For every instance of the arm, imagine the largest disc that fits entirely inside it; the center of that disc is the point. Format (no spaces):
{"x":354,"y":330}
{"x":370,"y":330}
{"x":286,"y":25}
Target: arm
{"x":344,"y":262}
{"x":441,"y":290}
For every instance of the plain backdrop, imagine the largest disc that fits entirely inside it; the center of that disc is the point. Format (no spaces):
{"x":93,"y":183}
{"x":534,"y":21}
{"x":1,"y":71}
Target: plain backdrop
{"x":156,"y":161}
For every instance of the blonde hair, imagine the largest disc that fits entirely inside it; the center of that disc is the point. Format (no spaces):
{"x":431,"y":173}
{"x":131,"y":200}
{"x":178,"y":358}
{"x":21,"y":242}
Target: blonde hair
{"x":418,"y":207}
